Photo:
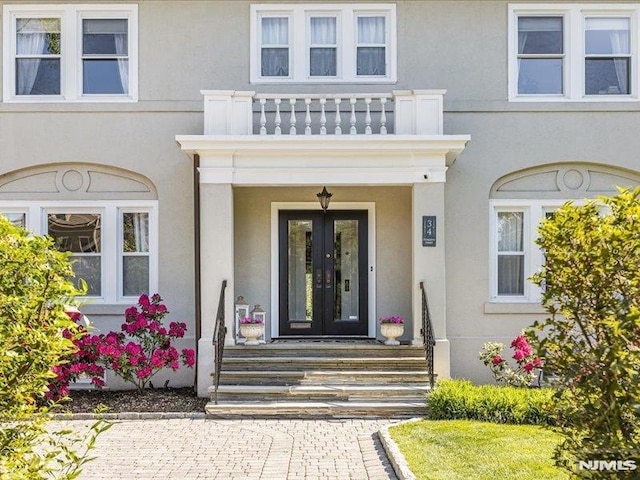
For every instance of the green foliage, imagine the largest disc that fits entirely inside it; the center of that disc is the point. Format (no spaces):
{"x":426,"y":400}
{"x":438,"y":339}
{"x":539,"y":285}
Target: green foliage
{"x":590,"y":343}
{"x":461,"y":399}
{"x":34,"y":289}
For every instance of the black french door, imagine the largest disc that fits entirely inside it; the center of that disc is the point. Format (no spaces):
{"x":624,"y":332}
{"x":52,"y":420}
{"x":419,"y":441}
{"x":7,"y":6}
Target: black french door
{"x":323,"y":272}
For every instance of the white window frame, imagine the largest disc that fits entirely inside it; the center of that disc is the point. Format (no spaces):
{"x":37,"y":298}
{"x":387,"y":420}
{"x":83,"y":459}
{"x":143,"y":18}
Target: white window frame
{"x":573,"y":81}
{"x":71,"y":81}
{"x":299,"y":41}
{"x":111,"y":237}
{"x":534,"y":213}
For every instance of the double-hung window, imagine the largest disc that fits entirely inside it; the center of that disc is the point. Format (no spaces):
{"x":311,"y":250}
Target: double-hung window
{"x":112,"y":245}
{"x":70,"y":52}
{"x":573,"y":52}
{"x":323,"y":43}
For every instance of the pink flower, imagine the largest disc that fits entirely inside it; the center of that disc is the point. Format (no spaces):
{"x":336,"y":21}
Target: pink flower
{"x":520,"y":342}
{"x":131,"y":311}
{"x":497,"y":360}
{"x":144,"y":372}
{"x":189,"y":356}
{"x":161,"y":308}
{"x":528,"y":367}
{"x":518,"y":355}
{"x":162,"y":331}
{"x":537,"y":362}
{"x":144,"y":300}
{"x":175,"y":365}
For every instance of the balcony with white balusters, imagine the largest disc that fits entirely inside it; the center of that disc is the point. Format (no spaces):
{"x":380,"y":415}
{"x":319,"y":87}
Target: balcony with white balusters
{"x":353,"y":138}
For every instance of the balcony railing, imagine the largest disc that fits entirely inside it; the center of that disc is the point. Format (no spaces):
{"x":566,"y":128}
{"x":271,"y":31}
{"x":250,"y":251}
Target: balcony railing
{"x":406,"y":112}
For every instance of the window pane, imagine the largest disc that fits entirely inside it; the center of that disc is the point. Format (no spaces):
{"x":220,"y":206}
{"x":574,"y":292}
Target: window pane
{"x":345,"y":247}
{"x":89,"y":270}
{"x":135,"y":232}
{"x":38,"y":36}
{"x":275,"y":62}
{"x":75,"y":232}
{"x":135,"y":275}
{"x":511,"y":275}
{"x":275,"y":31}
{"x":510,"y":231}
{"x":17,"y":219}
{"x":323,"y":31}
{"x":539,"y":35}
{"x":105,"y":76}
{"x":35,"y":76}
{"x":371,"y":61}
{"x":371,"y":30}
{"x":540,"y":75}
{"x":300,"y":270}
{"x":607,"y":36}
{"x":607,"y":76}
{"x":323,"y":62}
{"x":104,"y":37}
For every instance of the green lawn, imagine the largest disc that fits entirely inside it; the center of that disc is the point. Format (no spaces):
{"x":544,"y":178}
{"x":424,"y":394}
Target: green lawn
{"x":470,"y":450}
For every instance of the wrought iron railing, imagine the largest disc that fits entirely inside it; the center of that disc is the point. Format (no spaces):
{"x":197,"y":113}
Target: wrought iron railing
{"x":428,"y":337}
{"x":219,"y":335}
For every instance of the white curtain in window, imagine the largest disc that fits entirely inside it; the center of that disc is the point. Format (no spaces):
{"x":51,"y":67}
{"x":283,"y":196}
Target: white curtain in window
{"x":141,"y":231}
{"x":510,"y":239}
{"x":323,"y":32}
{"x":123,"y":63}
{"x":371,"y":46}
{"x":618,"y":31}
{"x":31,"y":39}
{"x":275,"y":33}
{"x":371,"y":30}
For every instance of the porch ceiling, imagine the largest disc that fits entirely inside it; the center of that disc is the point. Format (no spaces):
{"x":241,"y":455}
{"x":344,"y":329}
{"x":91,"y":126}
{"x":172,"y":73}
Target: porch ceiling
{"x":301,"y":160}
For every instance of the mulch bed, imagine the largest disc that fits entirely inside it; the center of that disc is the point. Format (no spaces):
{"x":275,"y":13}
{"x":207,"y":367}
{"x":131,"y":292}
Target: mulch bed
{"x":151,"y":400}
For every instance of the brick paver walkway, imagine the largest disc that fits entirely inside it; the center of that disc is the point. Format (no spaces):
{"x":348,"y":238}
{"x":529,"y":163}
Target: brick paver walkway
{"x":238,"y":449}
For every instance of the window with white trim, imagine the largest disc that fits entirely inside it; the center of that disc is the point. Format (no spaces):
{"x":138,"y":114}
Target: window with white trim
{"x":514,"y":253}
{"x":573,"y":52}
{"x":70,"y":52}
{"x":113,"y":245}
{"x":323,"y":43}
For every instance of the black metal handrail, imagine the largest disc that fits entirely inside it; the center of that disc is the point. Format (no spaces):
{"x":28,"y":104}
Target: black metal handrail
{"x":219,"y":335}
{"x":428,"y":337}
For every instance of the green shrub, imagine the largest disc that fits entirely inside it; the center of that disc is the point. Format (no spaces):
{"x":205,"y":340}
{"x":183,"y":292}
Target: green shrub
{"x":590,"y":341}
{"x":34,"y":291}
{"x":461,"y":399}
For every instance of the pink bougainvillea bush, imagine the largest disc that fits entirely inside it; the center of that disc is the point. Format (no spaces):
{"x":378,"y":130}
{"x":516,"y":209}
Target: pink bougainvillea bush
{"x":140,"y":350}
{"x":524,"y":374}
{"x":143,"y":347}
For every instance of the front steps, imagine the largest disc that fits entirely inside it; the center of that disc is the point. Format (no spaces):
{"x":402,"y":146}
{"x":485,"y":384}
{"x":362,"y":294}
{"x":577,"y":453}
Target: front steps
{"x":321,"y":379}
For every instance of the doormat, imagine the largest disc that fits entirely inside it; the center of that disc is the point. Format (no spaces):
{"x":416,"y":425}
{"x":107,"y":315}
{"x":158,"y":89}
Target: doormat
{"x":360,"y":341}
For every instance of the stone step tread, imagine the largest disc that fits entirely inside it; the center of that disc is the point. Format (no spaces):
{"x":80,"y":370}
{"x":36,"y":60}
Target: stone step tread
{"x":306,"y":389}
{"x":324,"y":373}
{"x":305,"y":359}
{"x":315,"y":408}
{"x":322,"y":346}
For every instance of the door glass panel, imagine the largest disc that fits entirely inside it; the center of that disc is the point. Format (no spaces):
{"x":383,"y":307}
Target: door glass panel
{"x":345,"y":240}
{"x":300,"y":271}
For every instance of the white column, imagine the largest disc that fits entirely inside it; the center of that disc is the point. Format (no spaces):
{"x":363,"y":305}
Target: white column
{"x":428,"y":266}
{"x":216,"y":265}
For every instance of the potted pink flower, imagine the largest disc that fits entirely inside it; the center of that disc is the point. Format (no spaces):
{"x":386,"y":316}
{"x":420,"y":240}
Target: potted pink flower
{"x":251,"y":328}
{"x":392,"y":327}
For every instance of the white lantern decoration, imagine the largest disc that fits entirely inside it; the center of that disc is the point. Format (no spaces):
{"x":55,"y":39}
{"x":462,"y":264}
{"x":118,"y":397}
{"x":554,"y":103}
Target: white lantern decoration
{"x":242,"y":310}
{"x":259,"y":314}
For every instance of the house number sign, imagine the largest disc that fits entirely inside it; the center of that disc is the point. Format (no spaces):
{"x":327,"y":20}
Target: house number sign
{"x":429,"y":231}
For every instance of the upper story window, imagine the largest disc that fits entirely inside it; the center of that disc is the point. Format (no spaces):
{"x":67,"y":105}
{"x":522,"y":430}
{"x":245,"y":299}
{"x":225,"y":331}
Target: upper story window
{"x":573,"y":52}
{"x":70,"y":53}
{"x":323,"y":43}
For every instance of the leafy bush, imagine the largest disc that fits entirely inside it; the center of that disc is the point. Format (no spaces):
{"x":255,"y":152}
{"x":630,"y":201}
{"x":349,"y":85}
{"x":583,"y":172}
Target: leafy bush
{"x":34,"y":292}
{"x":590,"y":343}
{"x":461,"y":399}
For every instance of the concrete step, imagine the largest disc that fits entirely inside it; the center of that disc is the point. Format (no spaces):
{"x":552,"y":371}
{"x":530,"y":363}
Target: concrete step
{"x":320,"y":392}
{"x":312,"y":377}
{"x":322,"y":363}
{"x":335,"y":409}
{"x":323,"y":349}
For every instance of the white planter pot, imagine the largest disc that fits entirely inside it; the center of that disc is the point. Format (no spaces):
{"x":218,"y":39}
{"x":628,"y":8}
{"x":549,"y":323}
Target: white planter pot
{"x":392,"y":331}
{"x":252,"y":331}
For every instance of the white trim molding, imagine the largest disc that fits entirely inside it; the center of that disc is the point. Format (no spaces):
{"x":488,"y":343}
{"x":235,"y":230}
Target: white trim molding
{"x":71,"y":18}
{"x":259,"y":160}
{"x":574,"y":17}
{"x":276,"y":208}
{"x":298,"y":41}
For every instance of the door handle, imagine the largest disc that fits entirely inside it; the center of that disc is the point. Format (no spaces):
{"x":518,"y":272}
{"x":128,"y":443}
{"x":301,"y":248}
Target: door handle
{"x":318,"y":277}
{"x":328,"y":281}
